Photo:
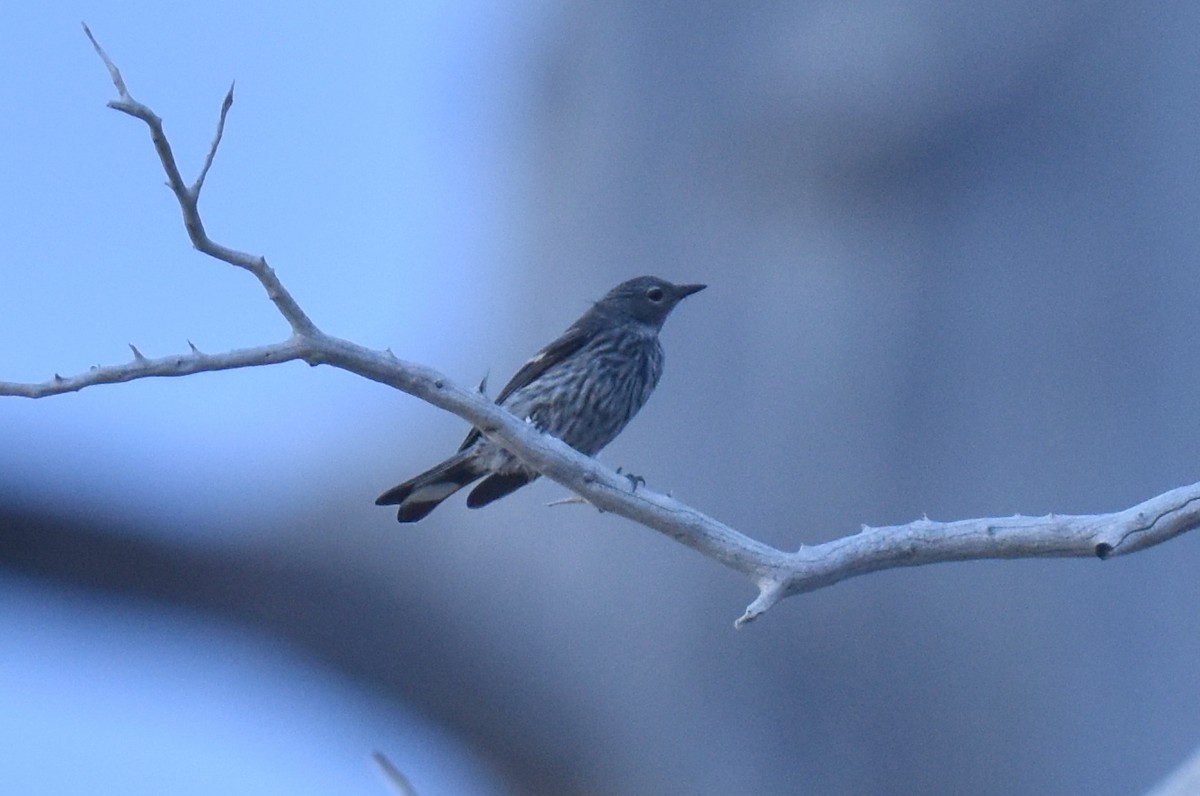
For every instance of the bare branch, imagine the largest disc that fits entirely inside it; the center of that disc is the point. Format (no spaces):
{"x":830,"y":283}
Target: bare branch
{"x":198,"y":185}
{"x":113,"y":72}
{"x":188,"y":197}
{"x":1102,"y":536}
{"x":776,"y":573}
{"x":141,"y":368}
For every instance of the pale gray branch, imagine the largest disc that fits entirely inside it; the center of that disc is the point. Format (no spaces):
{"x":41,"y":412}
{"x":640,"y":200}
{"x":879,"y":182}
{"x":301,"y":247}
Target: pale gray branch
{"x":776,"y":573}
{"x":142,"y":368}
{"x":1102,"y":536}
{"x":198,"y":185}
{"x":189,"y":198}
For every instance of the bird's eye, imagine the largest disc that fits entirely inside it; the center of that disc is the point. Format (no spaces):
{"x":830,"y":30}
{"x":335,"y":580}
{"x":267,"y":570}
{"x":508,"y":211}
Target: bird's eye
{"x":655,"y":294}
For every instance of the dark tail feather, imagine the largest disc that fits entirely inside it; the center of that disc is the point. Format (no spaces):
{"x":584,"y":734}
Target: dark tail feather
{"x":420,"y":495}
{"x":497,"y":486}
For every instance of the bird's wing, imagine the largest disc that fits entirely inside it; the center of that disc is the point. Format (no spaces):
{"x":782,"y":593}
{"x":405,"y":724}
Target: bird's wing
{"x":571,"y":341}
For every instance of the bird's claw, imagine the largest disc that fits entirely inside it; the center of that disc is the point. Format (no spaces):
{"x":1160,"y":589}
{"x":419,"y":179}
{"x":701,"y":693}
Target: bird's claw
{"x":634,"y":480}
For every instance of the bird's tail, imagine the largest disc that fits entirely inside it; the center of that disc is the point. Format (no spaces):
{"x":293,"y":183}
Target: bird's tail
{"x":420,"y":495}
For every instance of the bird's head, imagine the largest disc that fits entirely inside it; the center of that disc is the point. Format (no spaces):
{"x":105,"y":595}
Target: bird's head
{"x":646,"y":299}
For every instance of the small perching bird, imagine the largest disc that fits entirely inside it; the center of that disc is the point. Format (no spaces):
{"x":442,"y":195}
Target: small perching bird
{"x":582,"y":388}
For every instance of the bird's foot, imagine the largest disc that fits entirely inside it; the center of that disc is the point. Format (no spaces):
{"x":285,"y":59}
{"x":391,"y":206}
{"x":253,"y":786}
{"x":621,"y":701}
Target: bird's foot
{"x":634,"y":480}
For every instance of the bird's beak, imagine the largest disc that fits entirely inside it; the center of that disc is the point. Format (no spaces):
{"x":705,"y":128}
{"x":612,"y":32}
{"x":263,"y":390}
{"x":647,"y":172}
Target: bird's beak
{"x":683,"y":291}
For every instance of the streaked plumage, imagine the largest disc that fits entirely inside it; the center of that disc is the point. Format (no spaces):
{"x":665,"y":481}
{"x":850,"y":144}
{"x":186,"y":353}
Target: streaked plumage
{"x":582,"y":388}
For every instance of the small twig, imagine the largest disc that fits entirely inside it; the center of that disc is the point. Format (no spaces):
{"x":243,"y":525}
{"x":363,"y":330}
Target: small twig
{"x":113,"y":72}
{"x":570,"y":500}
{"x":212,"y":150}
{"x":394,"y":775}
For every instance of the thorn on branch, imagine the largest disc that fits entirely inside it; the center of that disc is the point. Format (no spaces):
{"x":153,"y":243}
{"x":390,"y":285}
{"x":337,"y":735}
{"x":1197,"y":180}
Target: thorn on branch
{"x":195,"y":350}
{"x":58,"y":378}
{"x":137,"y":355}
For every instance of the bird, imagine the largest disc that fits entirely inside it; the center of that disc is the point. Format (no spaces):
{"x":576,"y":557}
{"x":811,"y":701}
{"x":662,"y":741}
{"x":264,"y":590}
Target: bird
{"x":582,"y":388}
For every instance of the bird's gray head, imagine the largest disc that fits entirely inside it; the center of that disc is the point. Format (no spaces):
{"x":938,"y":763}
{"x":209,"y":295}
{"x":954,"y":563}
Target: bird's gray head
{"x":646,"y":299}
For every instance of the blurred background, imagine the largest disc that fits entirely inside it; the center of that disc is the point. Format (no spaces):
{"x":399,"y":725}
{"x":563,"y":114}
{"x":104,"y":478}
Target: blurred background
{"x":951,"y":251}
